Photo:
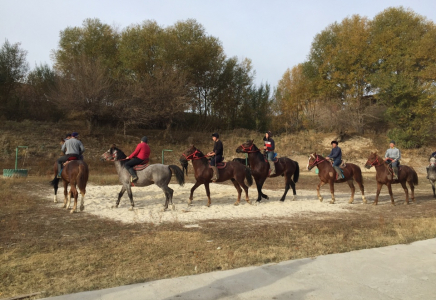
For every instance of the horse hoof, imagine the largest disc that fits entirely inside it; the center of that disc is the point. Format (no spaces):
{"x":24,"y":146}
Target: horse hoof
{"x":320,"y":199}
{"x":82,"y":208}
{"x":374,"y":203}
{"x":294,"y":198}
{"x":351,"y":201}
{"x":72,"y":211}
{"x":332,"y":202}
{"x":131,"y":208}
{"x":236,"y":203}
{"x":173,"y":207}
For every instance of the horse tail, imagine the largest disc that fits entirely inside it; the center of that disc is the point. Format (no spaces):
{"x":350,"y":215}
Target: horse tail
{"x":248,"y":176}
{"x":82,"y":177}
{"x":357,"y":174}
{"x":55,"y":182}
{"x":180,"y":176}
{"x":415,"y":177}
{"x":297,"y":172}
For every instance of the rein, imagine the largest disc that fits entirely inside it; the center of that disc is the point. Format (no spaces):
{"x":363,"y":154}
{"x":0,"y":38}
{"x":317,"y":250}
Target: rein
{"x":376,"y":161}
{"x":249,"y":149}
{"x":188,"y":157}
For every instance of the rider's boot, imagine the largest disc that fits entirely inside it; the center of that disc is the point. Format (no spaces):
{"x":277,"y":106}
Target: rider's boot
{"x":272,"y":167}
{"x":216,"y":175}
{"x":395,"y":172}
{"x":339,"y":171}
{"x":133,"y":173}
{"x":59,"y":171}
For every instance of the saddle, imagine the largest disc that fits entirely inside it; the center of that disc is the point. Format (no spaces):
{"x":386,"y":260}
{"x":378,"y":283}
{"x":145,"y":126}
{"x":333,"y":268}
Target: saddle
{"x":220,"y":165}
{"x":141,"y":166}
{"x":275,"y":159}
{"x":69,"y":160}
{"x":343,"y":165}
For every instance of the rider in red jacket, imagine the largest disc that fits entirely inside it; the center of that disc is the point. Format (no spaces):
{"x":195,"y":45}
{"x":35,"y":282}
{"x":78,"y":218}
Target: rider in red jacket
{"x":140,"y":155}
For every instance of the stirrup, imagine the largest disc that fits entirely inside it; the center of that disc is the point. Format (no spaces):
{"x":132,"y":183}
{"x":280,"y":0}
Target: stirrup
{"x":133,"y":179}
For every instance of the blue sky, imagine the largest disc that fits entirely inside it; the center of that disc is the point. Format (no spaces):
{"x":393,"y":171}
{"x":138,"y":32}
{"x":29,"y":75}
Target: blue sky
{"x":274,"y":34}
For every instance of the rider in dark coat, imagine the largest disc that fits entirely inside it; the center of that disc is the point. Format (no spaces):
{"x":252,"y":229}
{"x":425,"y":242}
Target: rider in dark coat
{"x":217,"y":155}
{"x":336,"y":155}
{"x":269,"y":147}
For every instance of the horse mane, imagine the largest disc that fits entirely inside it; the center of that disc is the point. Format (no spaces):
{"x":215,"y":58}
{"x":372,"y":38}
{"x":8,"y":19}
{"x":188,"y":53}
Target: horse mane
{"x":120,"y":153}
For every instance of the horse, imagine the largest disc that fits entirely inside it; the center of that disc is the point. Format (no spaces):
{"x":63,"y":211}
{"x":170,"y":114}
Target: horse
{"x":157,"y":174}
{"x":260,"y":169}
{"x":76,"y":174}
{"x":327,"y":174}
{"x":233,"y":170}
{"x":384,"y":176}
{"x":431,"y":172}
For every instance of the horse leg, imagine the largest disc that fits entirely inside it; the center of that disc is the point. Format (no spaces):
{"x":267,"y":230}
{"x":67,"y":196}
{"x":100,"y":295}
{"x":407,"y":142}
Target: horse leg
{"x":321,"y":183}
{"x":196,"y":185}
{"x":433,"y":187}
{"x":379,"y":186}
{"x":129,"y":193}
{"x":294,"y":191}
{"x":238,"y":188}
{"x":287,"y":186}
{"x":120,"y":195}
{"x":168,"y":195}
{"x":82,"y":200}
{"x":406,"y":191}
{"x":206,"y":186}
{"x":332,"y":190}
{"x":390,"y":193}
{"x":75,"y":195}
{"x":362,"y":190}
{"x":353,"y":189}
{"x":260,"y":195}
{"x":55,"y":187}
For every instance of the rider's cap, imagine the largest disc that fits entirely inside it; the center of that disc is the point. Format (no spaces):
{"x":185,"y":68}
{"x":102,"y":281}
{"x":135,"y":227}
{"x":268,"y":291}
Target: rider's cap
{"x":216,"y":135}
{"x":74,"y":134}
{"x":334,"y":142}
{"x":393,"y":142}
{"x":144,"y":139}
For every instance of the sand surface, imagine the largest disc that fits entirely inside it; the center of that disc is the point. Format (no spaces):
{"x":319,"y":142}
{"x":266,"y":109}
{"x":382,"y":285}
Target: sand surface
{"x":149,"y":201}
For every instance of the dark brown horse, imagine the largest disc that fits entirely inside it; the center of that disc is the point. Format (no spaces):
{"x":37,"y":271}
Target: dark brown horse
{"x":76,"y":174}
{"x":260,"y":169}
{"x":327,"y":174}
{"x":384,"y":176}
{"x":233,"y":170}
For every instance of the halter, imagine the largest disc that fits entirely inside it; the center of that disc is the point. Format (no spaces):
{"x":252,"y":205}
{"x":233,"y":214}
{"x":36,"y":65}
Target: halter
{"x":249,"y":149}
{"x":317,"y":161}
{"x":188,"y":157}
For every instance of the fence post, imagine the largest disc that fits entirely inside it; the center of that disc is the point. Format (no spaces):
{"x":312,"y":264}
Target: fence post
{"x":163,"y":154}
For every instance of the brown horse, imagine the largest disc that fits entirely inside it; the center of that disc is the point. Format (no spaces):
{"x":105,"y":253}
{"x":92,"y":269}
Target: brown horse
{"x":76,"y":174}
{"x":260,"y":169}
{"x":384,"y":176}
{"x":233,"y":170}
{"x":327,"y":174}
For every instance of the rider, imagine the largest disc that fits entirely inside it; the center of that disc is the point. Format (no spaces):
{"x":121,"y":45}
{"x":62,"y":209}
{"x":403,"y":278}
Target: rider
{"x":432,"y":155}
{"x":141,"y":154}
{"x":336,"y":155}
{"x":393,"y":156}
{"x":217,"y":155}
{"x":72,"y":148}
{"x":269,"y":148}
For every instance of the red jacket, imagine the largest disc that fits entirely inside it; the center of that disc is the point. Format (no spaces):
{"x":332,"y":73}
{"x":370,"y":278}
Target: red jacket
{"x":142,"y":151}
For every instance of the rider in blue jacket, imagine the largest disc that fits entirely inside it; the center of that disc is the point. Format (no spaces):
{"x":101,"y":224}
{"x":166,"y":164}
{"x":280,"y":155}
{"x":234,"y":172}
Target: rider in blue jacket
{"x":336,"y":156}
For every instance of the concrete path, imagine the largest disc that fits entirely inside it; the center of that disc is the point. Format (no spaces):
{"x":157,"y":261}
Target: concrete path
{"x":394,"y":272}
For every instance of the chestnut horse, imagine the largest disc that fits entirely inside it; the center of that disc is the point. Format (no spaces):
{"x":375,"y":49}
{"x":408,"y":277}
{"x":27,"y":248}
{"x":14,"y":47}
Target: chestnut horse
{"x":233,"y":170}
{"x":327,"y":174}
{"x":384,"y":176}
{"x":76,"y":174}
{"x":260,"y":169}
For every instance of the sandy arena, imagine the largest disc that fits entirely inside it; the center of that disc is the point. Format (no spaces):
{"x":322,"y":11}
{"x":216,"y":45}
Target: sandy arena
{"x":149,"y":202}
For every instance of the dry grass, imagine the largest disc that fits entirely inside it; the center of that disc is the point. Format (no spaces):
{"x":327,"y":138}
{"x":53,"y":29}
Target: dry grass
{"x":47,"y":249}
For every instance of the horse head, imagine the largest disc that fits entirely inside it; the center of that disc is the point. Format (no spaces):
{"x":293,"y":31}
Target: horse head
{"x":314,"y":159}
{"x":432,"y":162}
{"x":373,"y":160}
{"x":113,"y":154}
{"x":247,"y":147}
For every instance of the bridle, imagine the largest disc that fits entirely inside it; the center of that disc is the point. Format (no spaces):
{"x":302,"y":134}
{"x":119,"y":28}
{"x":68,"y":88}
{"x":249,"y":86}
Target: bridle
{"x":317,"y":161}
{"x":193,"y":156}
{"x":375,"y":162}
{"x":249,"y":149}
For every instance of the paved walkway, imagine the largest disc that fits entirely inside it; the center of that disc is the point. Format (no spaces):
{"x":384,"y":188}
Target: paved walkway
{"x":394,"y":272}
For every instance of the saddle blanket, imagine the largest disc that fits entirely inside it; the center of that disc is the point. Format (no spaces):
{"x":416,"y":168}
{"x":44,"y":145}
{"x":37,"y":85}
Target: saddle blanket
{"x":141,"y":166}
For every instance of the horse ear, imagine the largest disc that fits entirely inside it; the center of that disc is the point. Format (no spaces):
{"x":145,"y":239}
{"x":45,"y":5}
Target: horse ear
{"x":252,"y":141}
{"x":113,"y":146}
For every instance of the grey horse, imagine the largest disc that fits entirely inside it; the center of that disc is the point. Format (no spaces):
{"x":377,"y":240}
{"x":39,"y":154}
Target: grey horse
{"x":157,"y":174}
{"x":431,"y":172}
